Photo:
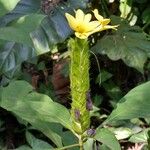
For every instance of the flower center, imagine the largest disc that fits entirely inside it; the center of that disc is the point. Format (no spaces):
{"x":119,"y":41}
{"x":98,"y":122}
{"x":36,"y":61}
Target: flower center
{"x":81,"y":28}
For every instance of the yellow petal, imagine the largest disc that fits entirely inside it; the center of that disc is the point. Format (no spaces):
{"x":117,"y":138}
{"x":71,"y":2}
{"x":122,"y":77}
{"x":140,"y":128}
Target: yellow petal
{"x":105,"y":21}
{"x":97,"y":16}
{"x":79,"y":15}
{"x":72,"y":21}
{"x":81,"y":35}
{"x":87,"y":18}
{"x":108,"y":27}
{"x":91,"y":26}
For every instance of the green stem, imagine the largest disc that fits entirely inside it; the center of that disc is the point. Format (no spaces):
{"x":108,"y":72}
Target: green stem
{"x":81,"y":143}
{"x":66,"y":147}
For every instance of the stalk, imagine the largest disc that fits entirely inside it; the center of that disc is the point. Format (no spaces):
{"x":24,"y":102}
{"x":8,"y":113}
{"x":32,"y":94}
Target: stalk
{"x":79,"y":84}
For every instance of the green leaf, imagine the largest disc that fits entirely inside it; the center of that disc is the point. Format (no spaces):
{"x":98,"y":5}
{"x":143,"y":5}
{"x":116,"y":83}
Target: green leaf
{"x":125,"y":7}
{"x":24,"y":7}
{"x":7,"y":6}
{"x":12,"y":55}
{"x":24,"y":147}
{"x":37,"y":144}
{"x":69,"y":139}
{"x":19,"y":32}
{"x":88,"y":145}
{"x":48,"y":129}
{"x":53,"y":29}
{"x":106,"y":137}
{"x":145,"y":15}
{"x":141,"y":137}
{"x":127,"y":43}
{"x":113,"y":91}
{"x":41,"y":109}
{"x":134,"y":104}
{"x":103,"y":76}
{"x":122,"y":133}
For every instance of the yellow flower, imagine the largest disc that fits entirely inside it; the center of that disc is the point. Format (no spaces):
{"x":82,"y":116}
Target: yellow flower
{"x":82,"y":24}
{"x":103,"y":22}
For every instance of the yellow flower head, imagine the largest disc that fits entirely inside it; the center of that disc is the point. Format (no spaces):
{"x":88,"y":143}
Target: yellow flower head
{"x":103,"y":22}
{"x":82,"y":24}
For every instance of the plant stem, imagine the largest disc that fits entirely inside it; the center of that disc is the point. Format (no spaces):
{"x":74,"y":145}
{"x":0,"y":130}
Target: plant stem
{"x":66,"y":147}
{"x":81,"y":143}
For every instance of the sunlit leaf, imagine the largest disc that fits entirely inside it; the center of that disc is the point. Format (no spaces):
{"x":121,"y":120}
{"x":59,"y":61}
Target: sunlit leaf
{"x":134,"y":104}
{"x":37,"y":144}
{"x":106,"y":137}
{"x":19,"y":32}
{"x":41,"y":109}
{"x":7,"y":6}
{"x":140,"y":137}
{"x":127,"y":43}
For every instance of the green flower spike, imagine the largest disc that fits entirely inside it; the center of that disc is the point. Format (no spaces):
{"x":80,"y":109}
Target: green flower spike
{"x":79,"y":78}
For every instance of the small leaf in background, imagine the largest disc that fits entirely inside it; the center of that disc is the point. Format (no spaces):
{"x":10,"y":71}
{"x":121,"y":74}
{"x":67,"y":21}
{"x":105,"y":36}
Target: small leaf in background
{"x":69,"y":139}
{"x":106,"y":137}
{"x":103,"y":76}
{"x":88,"y":145}
{"x":122,"y":133}
{"x":127,"y":43}
{"x":95,"y":112}
{"x":141,"y":137}
{"x":7,"y":6}
{"x":97,"y":100}
{"x":146,"y":16}
{"x":135,"y":104}
{"x":37,"y":144}
{"x":113,"y":91}
{"x":125,"y":7}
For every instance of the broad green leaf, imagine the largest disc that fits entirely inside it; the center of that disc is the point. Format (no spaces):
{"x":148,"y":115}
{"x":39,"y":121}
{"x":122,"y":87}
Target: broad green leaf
{"x":37,"y":144}
{"x":104,"y":147}
{"x":41,"y":109}
{"x":19,"y":32}
{"x":106,"y":137}
{"x":88,"y":145}
{"x":24,"y":7}
{"x":140,"y":137}
{"x":48,"y":129}
{"x":134,"y":104}
{"x":69,"y":139}
{"x":127,"y":43}
{"x":7,"y":6}
{"x":122,"y":133}
{"x":53,"y":29}
{"x":12,"y":55}
{"x":40,"y":42}
{"x":24,"y":147}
